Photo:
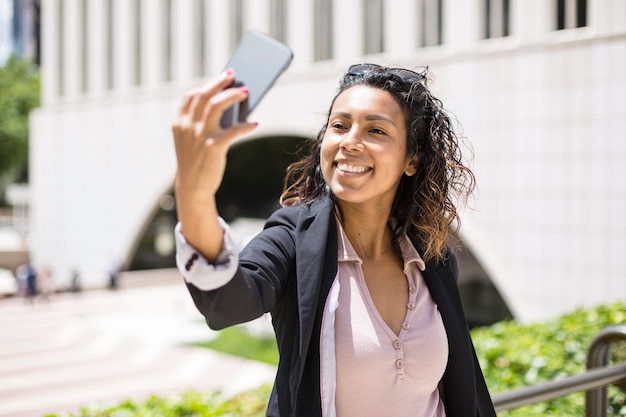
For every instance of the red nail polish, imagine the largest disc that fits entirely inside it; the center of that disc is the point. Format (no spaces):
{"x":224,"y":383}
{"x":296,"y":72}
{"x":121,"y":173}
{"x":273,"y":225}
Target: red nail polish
{"x":227,"y":73}
{"x":244,"y":90}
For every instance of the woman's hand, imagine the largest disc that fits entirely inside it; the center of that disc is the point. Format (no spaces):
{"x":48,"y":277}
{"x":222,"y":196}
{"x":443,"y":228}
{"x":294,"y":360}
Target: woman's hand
{"x":201,"y":148}
{"x":201,"y":144}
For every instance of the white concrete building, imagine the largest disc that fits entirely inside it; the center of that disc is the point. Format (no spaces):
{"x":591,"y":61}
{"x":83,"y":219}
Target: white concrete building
{"x":538,"y":86}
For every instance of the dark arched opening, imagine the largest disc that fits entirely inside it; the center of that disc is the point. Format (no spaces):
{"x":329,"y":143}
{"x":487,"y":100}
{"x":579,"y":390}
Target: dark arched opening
{"x":251,"y":188}
{"x":481,"y":300}
{"x":254,"y":177}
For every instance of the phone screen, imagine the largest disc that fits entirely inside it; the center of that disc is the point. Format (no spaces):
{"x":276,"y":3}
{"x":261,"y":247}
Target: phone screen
{"x":257,"y":62}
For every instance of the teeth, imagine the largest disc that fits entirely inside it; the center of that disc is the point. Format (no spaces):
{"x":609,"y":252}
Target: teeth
{"x":351,"y":168}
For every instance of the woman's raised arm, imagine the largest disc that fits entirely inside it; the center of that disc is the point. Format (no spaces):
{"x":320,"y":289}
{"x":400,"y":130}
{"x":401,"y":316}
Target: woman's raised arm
{"x":201,"y":148}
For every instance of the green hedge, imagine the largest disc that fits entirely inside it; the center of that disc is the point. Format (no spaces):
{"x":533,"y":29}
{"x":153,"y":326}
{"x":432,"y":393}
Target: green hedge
{"x":511,"y":355}
{"x":514,"y":355}
{"x":188,"y":404}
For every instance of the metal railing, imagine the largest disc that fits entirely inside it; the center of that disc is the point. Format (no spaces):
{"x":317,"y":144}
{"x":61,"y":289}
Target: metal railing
{"x":598,"y":355}
{"x":594,"y":381}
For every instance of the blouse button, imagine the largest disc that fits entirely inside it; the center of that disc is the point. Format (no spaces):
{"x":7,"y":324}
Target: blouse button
{"x":413,"y":288}
{"x":191,"y":260}
{"x":399,"y":364}
{"x":405,"y":325}
{"x":410,"y":306}
{"x":397,"y":344}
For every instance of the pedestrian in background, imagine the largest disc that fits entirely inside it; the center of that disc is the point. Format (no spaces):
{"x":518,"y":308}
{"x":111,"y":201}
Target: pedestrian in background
{"x":45,"y":283}
{"x":27,"y":279}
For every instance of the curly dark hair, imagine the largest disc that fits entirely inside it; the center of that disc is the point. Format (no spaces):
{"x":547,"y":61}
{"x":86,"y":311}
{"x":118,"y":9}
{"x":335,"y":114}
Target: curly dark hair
{"x":424,"y":206}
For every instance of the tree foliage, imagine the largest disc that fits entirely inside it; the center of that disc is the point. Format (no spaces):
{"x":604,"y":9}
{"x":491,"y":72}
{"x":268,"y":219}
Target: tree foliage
{"x":19,"y":94}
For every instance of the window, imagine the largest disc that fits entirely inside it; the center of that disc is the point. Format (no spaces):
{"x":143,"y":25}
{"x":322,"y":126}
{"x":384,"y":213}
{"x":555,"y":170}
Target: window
{"x":497,"y":16}
{"x":323,"y":24}
{"x":373,"y":26}
{"x":84,"y":36}
{"x":277,"y":20}
{"x":571,"y":14}
{"x":37,"y":31}
{"x":109,"y":44}
{"x":136,"y":10}
{"x":61,"y":48}
{"x":432,"y":22}
{"x":236,"y":23}
{"x":167,"y":34}
{"x":199,"y":34}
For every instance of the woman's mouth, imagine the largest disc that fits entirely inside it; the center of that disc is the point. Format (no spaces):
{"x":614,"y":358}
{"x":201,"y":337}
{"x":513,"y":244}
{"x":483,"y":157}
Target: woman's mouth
{"x":352,"y":168}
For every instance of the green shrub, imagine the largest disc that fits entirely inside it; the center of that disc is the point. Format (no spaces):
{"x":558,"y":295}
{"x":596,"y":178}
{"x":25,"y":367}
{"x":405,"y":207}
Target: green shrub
{"x":514,"y":355}
{"x":189,"y":404}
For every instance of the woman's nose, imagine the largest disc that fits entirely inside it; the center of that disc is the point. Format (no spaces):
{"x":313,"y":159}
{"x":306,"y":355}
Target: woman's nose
{"x":352,"y":141}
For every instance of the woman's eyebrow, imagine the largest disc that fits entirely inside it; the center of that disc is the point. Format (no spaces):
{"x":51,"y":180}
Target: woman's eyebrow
{"x":369,"y":117}
{"x":379,"y":117}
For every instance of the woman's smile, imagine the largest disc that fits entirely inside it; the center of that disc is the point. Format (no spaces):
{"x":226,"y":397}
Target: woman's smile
{"x":351,"y":168}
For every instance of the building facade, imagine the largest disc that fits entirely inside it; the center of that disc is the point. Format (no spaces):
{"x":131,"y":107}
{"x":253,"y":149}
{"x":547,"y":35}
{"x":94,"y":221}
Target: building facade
{"x":537,"y":86}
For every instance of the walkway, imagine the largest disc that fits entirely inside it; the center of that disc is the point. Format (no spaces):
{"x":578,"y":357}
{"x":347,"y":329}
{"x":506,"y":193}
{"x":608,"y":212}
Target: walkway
{"x":106,"y":346}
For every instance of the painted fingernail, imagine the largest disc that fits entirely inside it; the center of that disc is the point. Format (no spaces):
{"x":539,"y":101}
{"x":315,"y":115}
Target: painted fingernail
{"x":227,"y":73}
{"x":244,"y":90}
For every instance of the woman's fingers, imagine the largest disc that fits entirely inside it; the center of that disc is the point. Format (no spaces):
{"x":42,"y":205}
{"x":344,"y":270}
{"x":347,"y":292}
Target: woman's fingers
{"x":220,"y":102}
{"x":201,"y":110}
{"x":208,"y":91}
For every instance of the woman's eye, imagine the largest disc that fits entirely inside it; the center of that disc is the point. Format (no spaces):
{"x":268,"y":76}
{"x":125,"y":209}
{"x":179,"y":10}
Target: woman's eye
{"x":337,"y":126}
{"x":378,"y":131}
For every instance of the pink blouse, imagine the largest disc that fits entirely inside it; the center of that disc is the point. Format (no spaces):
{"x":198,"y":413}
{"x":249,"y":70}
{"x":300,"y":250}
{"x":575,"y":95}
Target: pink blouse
{"x":379,"y":373}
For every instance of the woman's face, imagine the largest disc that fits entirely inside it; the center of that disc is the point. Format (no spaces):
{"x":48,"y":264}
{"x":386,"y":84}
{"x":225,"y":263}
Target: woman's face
{"x":363,"y":153}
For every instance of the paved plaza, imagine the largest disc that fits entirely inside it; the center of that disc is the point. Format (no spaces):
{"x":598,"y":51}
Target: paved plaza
{"x":106,"y":346}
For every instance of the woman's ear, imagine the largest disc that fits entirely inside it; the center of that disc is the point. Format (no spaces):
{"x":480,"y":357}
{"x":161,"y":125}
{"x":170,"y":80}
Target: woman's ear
{"x":411,"y":168}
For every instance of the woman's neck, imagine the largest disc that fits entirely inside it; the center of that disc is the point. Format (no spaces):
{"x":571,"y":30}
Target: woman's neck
{"x":368,"y":231}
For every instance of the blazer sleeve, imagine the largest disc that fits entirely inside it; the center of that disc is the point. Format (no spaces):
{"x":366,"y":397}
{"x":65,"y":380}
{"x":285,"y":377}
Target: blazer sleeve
{"x":263,"y":272}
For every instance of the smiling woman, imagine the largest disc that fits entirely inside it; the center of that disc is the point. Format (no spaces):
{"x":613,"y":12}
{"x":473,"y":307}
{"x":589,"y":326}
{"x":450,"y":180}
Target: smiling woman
{"x":357,"y":266}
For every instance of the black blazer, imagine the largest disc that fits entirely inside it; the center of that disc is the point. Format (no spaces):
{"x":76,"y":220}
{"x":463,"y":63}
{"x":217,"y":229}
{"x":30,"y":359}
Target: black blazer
{"x":288,"y":270}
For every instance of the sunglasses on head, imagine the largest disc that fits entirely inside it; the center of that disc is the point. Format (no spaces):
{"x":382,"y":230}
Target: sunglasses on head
{"x":405,"y":75}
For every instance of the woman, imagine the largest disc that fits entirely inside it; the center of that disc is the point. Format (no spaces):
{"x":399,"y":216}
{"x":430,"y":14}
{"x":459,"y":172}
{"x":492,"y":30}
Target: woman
{"x":355,"y":269}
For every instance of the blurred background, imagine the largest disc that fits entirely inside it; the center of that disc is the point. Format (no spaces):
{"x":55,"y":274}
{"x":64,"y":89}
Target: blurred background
{"x":537,"y":86}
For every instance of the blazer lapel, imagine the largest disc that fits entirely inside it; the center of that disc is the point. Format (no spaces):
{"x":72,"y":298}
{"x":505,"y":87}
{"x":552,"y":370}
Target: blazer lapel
{"x":314,"y":242}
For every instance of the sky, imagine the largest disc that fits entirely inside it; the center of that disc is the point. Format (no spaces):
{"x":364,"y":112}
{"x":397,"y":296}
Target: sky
{"x":6,"y":14}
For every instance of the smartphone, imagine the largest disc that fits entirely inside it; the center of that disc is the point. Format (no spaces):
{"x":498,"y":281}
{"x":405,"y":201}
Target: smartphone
{"x":258,"y":61}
